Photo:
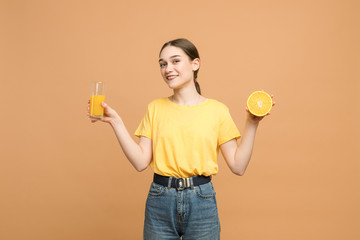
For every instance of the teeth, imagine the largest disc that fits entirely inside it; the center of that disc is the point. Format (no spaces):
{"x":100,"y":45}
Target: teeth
{"x":171,"y":77}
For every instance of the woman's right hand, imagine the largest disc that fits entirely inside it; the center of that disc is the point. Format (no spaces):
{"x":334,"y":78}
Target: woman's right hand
{"x":110,"y":115}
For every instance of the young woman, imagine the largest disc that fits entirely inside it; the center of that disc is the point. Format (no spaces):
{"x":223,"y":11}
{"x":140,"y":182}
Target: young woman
{"x":180,"y":137}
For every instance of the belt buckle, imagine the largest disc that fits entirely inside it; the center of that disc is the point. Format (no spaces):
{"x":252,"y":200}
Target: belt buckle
{"x":180,"y":184}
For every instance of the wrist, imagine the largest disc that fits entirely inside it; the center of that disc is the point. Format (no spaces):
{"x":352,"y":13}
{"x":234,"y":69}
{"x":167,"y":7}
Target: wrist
{"x":116,"y":121}
{"x":252,"y":122}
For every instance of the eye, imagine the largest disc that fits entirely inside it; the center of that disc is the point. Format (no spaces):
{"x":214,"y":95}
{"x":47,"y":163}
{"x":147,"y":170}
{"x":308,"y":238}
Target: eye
{"x":176,"y":61}
{"x":162,"y":65}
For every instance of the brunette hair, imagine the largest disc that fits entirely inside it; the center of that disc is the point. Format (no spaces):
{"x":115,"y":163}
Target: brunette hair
{"x":190,"y":50}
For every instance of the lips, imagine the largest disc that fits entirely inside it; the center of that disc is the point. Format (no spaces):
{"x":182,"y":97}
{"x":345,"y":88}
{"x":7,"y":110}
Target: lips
{"x":171,"y":77}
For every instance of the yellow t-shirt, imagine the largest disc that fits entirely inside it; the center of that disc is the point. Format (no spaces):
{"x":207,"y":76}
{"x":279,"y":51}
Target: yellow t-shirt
{"x":186,"y":139}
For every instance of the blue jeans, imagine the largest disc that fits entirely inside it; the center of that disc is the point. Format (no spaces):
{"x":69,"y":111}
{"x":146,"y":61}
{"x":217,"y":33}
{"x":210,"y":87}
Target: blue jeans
{"x":190,"y":213}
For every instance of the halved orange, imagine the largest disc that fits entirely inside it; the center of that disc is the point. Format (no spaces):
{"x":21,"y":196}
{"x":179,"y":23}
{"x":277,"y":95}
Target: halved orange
{"x":259,"y":103}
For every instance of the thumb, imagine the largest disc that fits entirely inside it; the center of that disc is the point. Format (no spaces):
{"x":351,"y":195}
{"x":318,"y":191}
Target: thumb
{"x":106,"y":107}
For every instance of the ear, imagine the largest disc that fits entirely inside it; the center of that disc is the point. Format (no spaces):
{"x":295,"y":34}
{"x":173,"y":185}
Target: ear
{"x":195,"y":64}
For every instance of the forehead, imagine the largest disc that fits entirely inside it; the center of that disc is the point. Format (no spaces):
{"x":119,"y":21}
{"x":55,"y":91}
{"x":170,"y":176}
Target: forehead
{"x":171,"y":51}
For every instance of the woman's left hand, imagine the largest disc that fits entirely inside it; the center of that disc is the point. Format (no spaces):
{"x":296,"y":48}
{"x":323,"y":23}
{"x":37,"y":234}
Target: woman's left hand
{"x":256,"y":119}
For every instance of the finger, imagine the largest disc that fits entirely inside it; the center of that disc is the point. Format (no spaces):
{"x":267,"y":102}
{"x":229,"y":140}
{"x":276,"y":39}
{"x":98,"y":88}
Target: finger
{"x":106,"y":107}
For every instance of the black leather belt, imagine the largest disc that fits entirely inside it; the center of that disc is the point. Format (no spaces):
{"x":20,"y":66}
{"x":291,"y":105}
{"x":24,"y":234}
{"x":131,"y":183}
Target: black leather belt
{"x":180,"y":183}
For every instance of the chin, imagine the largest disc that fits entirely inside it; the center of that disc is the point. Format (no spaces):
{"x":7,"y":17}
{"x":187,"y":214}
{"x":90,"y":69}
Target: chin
{"x":172,"y":85}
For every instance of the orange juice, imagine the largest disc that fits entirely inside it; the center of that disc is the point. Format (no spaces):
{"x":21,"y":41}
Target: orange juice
{"x":96,"y":110}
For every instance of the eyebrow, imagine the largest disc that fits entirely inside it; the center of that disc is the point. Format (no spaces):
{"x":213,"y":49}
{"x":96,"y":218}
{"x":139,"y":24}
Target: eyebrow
{"x":174,"y":56}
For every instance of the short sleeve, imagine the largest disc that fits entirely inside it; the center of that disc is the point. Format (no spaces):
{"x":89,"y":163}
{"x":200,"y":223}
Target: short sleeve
{"x":227,"y":128}
{"x":145,"y":127}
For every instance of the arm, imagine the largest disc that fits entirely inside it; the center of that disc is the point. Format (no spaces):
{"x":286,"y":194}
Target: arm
{"x":237,"y":156}
{"x":139,"y":154}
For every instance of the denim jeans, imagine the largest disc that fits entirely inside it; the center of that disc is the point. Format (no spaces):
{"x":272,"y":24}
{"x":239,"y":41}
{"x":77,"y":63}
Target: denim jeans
{"x":190,"y":213}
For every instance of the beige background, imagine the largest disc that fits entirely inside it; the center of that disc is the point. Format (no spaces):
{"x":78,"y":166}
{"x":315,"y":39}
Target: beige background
{"x":63,"y":178}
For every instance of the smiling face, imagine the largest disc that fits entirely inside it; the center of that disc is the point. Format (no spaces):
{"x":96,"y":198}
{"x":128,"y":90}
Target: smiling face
{"x":176,"y":68}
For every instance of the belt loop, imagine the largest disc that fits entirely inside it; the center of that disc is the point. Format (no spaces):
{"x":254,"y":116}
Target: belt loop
{"x":191,"y":183}
{"x":169,"y":182}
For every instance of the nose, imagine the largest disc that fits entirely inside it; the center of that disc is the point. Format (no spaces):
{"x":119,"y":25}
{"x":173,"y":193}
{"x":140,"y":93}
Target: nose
{"x":168,"y":68}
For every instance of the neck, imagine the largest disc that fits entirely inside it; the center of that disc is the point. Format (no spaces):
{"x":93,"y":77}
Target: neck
{"x":186,"y":97}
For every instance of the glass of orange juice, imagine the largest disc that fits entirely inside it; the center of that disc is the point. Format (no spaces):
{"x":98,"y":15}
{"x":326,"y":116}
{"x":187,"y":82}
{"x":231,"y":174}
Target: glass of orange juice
{"x":97,"y":96}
